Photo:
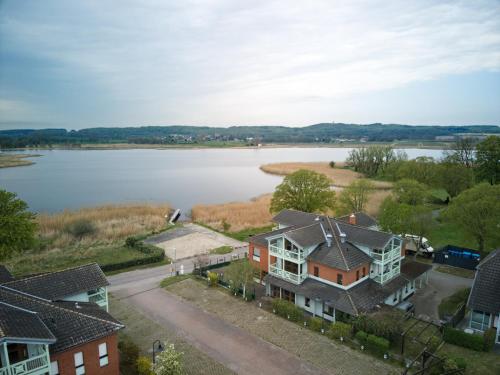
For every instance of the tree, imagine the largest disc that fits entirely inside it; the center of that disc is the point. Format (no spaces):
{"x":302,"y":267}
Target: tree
{"x":488,"y":160}
{"x":410,"y":192}
{"x":240,"y":274}
{"x":304,"y":191}
{"x":17,"y":225}
{"x":168,"y":362}
{"x":461,"y":152}
{"x":355,"y":196}
{"x":455,"y":178}
{"x":477,"y":212}
{"x":373,"y":160}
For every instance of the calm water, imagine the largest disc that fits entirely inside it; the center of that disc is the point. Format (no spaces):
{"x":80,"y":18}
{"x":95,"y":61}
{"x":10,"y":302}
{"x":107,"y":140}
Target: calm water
{"x":71,"y":179}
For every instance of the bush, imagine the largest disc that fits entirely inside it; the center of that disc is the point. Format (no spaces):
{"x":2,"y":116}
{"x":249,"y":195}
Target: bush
{"x":332,"y":164}
{"x":433,"y":343}
{"x":144,"y":366}
{"x":377,"y":345}
{"x":361,"y":337}
{"x":387,"y":325}
{"x":81,"y":228}
{"x":339,"y":329}
{"x":489,"y":339}
{"x":288,"y":310}
{"x":213,"y":278}
{"x":466,"y":340}
{"x":129,"y":352}
{"x":453,"y":364}
{"x":131,"y":242}
{"x":316,"y":323}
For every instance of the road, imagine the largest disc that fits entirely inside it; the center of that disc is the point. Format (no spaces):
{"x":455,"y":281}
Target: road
{"x":235,"y":348}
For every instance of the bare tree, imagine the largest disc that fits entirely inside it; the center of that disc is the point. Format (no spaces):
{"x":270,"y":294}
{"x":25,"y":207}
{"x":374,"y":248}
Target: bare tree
{"x":461,"y":152}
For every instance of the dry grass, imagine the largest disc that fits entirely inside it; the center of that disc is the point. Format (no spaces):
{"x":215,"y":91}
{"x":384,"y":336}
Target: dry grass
{"x":339,"y":176}
{"x":112,"y":223}
{"x":15,"y":160}
{"x":240,"y":215}
{"x":375,"y":200}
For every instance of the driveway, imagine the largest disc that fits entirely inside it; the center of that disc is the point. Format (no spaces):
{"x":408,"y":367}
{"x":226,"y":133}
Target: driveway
{"x":440,"y":285}
{"x":191,"y":240}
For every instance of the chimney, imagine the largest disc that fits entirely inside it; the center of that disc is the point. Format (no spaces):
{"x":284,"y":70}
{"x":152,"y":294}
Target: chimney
{"x":352,"y":219}
{"x":329,"y":239}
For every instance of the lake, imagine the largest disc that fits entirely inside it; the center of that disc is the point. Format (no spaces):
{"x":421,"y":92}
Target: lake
{"x":182,"y":177}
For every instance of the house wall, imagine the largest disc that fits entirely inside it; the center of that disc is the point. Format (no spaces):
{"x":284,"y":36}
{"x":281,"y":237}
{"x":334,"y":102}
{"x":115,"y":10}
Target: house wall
{"x":66,"y":361}
{"x":262,"y":264}
{"x":330,"y":274}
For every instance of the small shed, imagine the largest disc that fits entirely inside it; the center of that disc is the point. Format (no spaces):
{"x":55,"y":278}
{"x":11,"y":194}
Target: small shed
{"x":458,"y":257}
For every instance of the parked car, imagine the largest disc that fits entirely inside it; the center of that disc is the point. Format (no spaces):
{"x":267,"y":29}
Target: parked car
{"x":411,"y":245}
{"x":407,"y":307}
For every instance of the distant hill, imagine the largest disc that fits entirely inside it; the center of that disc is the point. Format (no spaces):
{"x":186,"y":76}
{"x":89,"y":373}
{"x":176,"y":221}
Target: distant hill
{"x":178,"y":134}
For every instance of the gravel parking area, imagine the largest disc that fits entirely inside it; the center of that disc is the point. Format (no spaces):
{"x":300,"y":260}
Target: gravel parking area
{"x":310,"y":346}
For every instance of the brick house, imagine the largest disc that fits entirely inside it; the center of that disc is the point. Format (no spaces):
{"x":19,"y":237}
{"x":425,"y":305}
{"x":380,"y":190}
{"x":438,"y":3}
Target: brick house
{"x":327,"y":265}
{"x":57,"y":323}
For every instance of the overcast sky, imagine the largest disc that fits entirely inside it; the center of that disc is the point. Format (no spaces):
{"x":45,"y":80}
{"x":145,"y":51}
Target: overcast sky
{"x":88,"y":63}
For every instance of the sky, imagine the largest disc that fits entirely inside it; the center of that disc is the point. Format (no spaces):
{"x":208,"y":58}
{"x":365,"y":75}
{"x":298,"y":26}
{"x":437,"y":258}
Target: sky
{"x":77,"y":64}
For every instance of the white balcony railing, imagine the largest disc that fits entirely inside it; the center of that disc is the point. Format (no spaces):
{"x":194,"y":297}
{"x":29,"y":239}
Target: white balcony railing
{"x":285,"y":275}
{"x":4,"y":371}
{"x":294,"y":256}
{"x":28,"y":366}
{"x":387,"y":275}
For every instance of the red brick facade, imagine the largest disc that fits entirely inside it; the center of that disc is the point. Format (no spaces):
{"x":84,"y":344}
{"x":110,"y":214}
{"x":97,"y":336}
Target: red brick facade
{"x":66,"y":360}
{"x":331,"y":274}
{"x":261,"y":265}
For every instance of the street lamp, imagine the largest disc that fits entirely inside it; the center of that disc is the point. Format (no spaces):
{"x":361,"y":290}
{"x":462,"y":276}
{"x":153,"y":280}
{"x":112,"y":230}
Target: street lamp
{"x":157,"y":348}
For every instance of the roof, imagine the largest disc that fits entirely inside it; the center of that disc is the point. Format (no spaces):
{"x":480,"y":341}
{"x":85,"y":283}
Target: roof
{"x":345,"y":258}
{"x":58,"y":285}
{"x":70,"y":323}
{"x":364,"y":236}
{"x":307,"y":236}
{"x":362,"y":219}
{"x":5,"y":274}
{"x":18,"y":324}
{"x":485,"y":293}
{"x":295,"y":218}
{"x":261,"y":239}
{"x":411,"y":270}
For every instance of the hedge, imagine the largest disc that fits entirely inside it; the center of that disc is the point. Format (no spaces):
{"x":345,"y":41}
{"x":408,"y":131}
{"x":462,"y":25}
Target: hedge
{"x":155,"y":254}
{"x":489,"y":339}
{"x":361,"y":336}
{"x":316,"y":323}
{"x":339,"y":329}
{"x":466,"y":340}
{"x":287,"y":309}
{"x":377,"y":345}
{"x":387,"y":325}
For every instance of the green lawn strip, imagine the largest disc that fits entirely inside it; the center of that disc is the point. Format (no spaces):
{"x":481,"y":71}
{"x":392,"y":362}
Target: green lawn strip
{"x":144,"y":331}
{"x":243,"y":234}
{"x":450,"y":304}
{"x":477,"y":362}
{"x":164,"y":262}
{"x":174,"y":279}
{"x":461,"y":272}
{"x":222,"y":250}
{"x":445,"y":233}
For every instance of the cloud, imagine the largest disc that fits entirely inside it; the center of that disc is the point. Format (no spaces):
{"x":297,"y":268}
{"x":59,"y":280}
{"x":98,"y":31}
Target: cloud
{"x":226,"y":62}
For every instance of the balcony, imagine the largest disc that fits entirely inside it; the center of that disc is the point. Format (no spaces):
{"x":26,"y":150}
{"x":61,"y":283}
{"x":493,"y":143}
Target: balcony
{"x":387,"y":275}
{"x":99,"y":297}
{"x":387,"y":256}
{"x":31,"y":366}
{"x":285,"y":275}
{"x":293,"y":256}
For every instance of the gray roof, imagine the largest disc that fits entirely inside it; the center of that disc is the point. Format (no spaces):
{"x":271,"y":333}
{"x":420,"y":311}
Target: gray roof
{"x":18,"y":324}
{"x":295,"y":218}
{"x":310,"y":235}
{"x":344,"y":257}
{"x":261,"y":239}
{"x":485,"y":293}
{"x":362,"y":219}
{"x":58,"y":285}
{"x":5,"y":274}
{"x":70,"y":323}
{"x":364,"y":236}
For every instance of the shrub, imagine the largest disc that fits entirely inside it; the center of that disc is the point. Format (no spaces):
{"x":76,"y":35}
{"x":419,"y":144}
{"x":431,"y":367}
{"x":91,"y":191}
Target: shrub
{"x":288,"y":310}
{"x":489,"y":339}
{"x":131,"y":242}
{"x":144,"y":366}
{"x":453,"y":364}
{"x":316,"y":323}
{"x":80,"y":228}
{"x":213,"y":278}
{"x":377,"y":345}
{"x":361,"y":337}
{"x":466,"y":340}
{"x":433,"y":343}
{"x":387,"y":325}
{"x":331,"y":164}
{"x":129,"y":352}
{"x":339,"y":329}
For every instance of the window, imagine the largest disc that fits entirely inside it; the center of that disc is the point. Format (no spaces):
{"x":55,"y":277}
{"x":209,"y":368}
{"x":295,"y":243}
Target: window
{"x":357,"y":275}
{"x":479,"y":320}
{"x":308,"y":302}
{"x":316,"y":271}
{"x":339,"y":278}
{"x":103,"y":354}
{"x":256,"y":254}
{"x":328,"y":310}
{"x":79,"y":366}
{"x":364,"y":271}
{"x":54,"y":368}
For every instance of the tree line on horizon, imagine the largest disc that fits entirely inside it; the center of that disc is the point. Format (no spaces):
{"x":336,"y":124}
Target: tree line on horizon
{"x":319,"y":133}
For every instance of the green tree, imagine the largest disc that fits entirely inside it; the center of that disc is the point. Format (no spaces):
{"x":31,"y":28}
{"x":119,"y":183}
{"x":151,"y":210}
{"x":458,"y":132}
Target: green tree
{"x":169,"y":362}
{"x":355,"y":196}
{"x":461,"y":152}
{"x":240,"y":274}
{"x":17,"y":225}
{"x":410,"y":192}
{"x":477,"y":212}
{"x":455,"y":178}
{"x":373,"y":160}
{"x":304,"y":191}
{"x":488,"y":160}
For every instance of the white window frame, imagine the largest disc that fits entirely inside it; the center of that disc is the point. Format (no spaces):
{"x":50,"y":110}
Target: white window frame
{"x":79,"y":363}
{"x":54,"y":368}
{"x":256,"y":254}
{"x":485,"y":321}
{"x":103,"y":354}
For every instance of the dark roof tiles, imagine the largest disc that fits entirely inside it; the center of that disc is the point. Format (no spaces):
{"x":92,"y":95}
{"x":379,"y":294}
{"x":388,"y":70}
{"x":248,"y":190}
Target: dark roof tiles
{"x":485,"y":293}
{"x":362,"y":219}
{"x":18,"y":324}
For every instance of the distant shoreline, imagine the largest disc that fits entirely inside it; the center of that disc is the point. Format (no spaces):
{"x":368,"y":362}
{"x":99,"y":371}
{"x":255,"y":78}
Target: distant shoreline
{"x":131,"y":146}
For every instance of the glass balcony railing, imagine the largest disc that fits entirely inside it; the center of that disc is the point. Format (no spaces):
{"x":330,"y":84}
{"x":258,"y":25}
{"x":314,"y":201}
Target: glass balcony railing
{"x":285,"y":275}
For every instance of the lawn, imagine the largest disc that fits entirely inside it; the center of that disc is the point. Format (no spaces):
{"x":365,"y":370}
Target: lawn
{"x":456,"y":271}
{"x":450,"y":304}
{"x":221,"y":250}
{"x":445,"y":233}
{"x":477,"y":362}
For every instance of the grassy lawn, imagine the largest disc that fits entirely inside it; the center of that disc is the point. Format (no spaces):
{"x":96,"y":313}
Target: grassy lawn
{"x":450,"y":304}
{"x":477,"y":362}
{"x":444,"y":233}
{"x":461,"y":272}
{"x":243,"y":235}
{"x":174,"y":279}
{"x":221,"y":250}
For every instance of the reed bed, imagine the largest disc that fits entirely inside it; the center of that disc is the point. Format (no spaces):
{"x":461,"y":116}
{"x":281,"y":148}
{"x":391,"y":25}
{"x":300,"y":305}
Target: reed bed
{"x":339,"y":176}
{"x":110,"y":222}
{"x":239,"y":215}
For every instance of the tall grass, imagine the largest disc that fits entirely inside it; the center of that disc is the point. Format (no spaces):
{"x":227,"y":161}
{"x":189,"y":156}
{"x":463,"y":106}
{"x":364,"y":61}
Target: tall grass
{"x":239,"y":215}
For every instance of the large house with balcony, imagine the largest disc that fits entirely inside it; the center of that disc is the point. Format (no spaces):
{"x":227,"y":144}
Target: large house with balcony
{"x":484,"y":298}
{"x":57,"y":323}
{"x":327,"y":265}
